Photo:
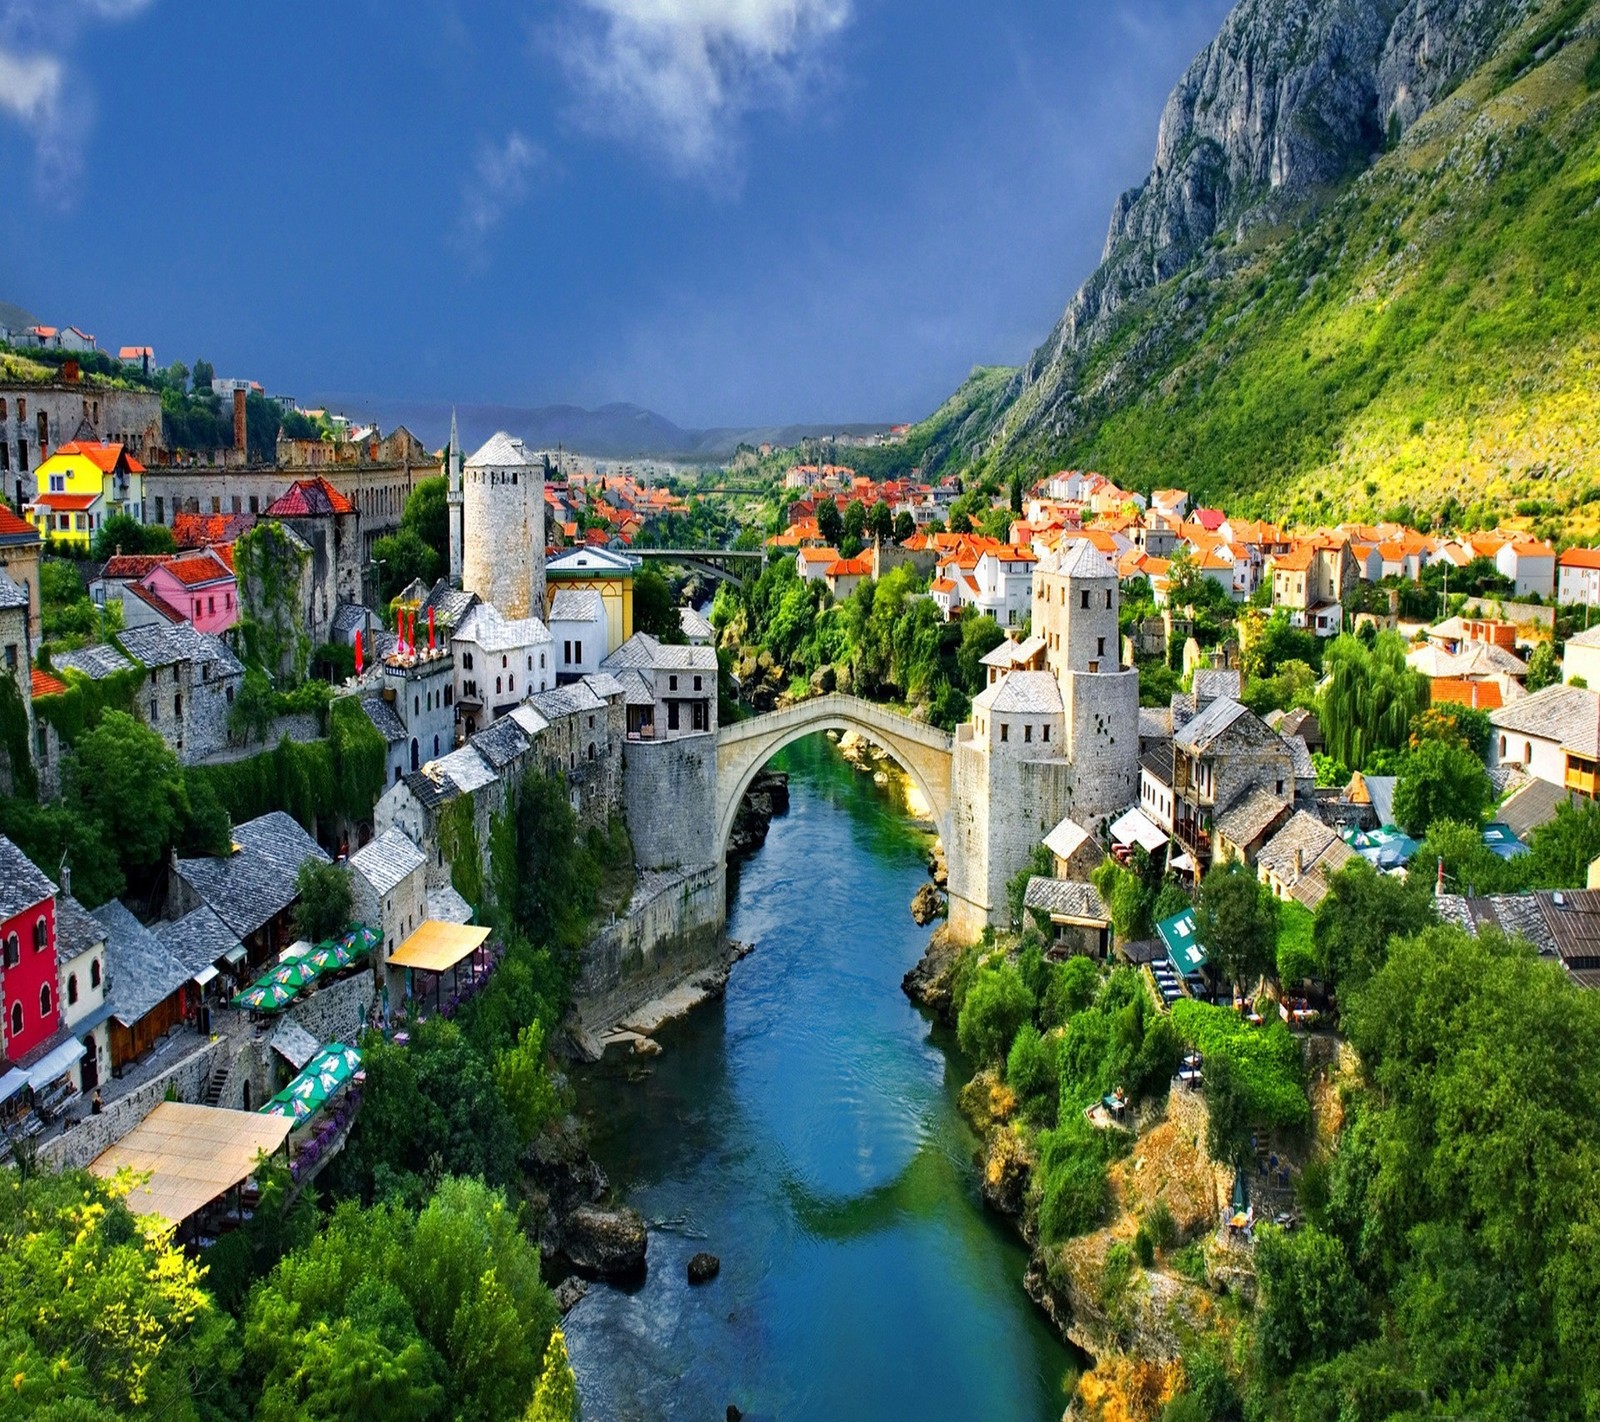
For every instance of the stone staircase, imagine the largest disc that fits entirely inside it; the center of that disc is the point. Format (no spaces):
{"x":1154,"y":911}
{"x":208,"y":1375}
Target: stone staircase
{"x":217,"y":1085}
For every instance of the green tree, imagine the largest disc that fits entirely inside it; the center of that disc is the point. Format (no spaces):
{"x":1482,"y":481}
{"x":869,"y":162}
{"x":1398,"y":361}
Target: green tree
{"x":125,"y":534}
{"x":880,"y":521}
{"x":1544,"y":667}
{"x":980,"y":635}
{"x":997,"y":1004}
{"x":1440,"y":780}
{"x":904,"y":526}
{"x":404,"y":559}
{"x":322,"y":907}
{"x":655,"y":610}
{"x":522,"y":1074}
{"x":550,"y":884}
{"x":203,"y":374}
{"x":829,"y":523}
{"x":855,"y":520}
{"x":1355,"y":922}
{"x":555,"y":1399}
{"x":1370,"y":698}
{"x":124,"y":776}
{"x":1313,"y":1305}
{"x":427,"y":514}
{"x":1237,"y":920}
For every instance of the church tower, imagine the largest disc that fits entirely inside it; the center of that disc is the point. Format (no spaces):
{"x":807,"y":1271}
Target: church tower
{"x":452,"y":478}
{"x":502,"y":505}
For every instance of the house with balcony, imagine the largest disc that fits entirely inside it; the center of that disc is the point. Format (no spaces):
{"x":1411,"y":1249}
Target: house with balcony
{"x":1229,"y":768}
{"x":80,"y":486}
{"x":669,"y":691}
{"x":1310,"y":583}
{"x":1552,"y":735}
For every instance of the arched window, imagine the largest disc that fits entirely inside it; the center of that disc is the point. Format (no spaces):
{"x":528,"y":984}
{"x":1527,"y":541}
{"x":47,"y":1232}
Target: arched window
{"x":416,"y":705}
{"x":466,"y":661}
{"x":94,"y":973}
{"x":1527,"y":752}
{"x":449,"y":695}
{"x":436,"y":745}
{"x":41,"y":934}
{"x":511,"y":683}
{"x":497,"y":682}
{"x":13,"y":954}
{"x":416,"y":754}
{"x":44,"y":999}
{"x":16,"y":1019}
{"x":72,"y":989}
{"x":591,"y":750}
{"x":1502,"y":747}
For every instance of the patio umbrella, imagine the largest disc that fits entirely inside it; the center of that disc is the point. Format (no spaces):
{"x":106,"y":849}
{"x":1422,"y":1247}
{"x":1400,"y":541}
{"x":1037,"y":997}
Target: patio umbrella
{"x":328,"y":957}
{"x":265,"y":997}
{"x":293,"y":975}
{"x":359,"y":940}
{"x":292,"y":1110}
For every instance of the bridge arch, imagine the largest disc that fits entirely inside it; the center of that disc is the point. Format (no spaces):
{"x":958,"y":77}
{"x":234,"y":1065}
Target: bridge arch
{"x":743,"y":748}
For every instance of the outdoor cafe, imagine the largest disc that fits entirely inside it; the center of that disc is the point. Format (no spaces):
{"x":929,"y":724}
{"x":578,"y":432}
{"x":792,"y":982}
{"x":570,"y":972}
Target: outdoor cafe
{"x":437,"y":949}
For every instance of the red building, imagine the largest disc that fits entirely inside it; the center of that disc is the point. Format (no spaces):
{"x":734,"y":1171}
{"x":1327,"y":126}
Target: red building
{"x":27,"y":953}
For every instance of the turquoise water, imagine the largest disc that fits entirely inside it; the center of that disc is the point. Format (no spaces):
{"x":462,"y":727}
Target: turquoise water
{"x":805,"y":1131}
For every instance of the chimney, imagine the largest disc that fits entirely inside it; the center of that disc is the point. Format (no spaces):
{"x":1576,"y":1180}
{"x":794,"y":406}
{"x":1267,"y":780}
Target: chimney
{"x":70,"y":373}
{"x":1299,"y":862}
{"x":239,"y":441}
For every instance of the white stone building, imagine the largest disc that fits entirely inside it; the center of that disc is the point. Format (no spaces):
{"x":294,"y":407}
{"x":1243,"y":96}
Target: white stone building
{"x":499,"y":663}
{"x":502,"y":517}
{"x":578,"y":633}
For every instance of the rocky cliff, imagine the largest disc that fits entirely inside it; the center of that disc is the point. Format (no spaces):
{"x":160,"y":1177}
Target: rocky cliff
{"x":1320,"y":169}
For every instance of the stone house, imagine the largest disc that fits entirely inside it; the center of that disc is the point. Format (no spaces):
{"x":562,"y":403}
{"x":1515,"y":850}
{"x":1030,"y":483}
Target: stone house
{"x":191,"y":683}
{"x":35,"y":420}
{"x":579,"y":628}
{"x":1218,"y":759}
{"x":20,"y":549}
{"x":1554,"y":735}
{"x":414,"y":710}
{"x":1297,"y":862}
{"x":499,"y":663}
{"x":150,"y":988}
{"x":1311,"y":582}
{"x":388,"y":882}
{"x":670,"y":691}
{"x":329,"y":526}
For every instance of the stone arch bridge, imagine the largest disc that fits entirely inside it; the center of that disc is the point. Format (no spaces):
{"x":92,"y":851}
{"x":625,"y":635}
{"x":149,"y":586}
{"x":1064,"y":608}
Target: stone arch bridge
{"x":922,"y":751}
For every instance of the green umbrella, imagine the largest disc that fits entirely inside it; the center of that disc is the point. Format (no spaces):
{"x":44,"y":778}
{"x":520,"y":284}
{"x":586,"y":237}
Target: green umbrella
{"x":360,"y":940}
{"x":305,"y":1087}
{"x":265,"y":997}
{"x":342,"y":1061}
{"x":295,"y":974}
{"x":328,"y":957}
{"x":296,"y":1111}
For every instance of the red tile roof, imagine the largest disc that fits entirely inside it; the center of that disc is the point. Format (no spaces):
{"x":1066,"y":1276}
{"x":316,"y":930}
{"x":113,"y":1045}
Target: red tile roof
{"x":1572,"y":558}
{"x":851,"y":568}
{"x":13,"y":527}
{"x":46,"y":685}
{"x":66,"y":503}
{"x":131,"y":566}
{"x":1478,"y":695}
{"x":104,"y":457}
{"x":309,"y":498}
{"x":197,"y":570}
{"x":156,"y":601}
{"x":196,"y":530}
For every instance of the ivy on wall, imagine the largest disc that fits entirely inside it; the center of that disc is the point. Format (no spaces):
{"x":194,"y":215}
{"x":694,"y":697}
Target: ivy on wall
{"x":14,"y":741}
{"x":458,"y":838}
{"x":80,"y":707}
{"x":268,"y":564}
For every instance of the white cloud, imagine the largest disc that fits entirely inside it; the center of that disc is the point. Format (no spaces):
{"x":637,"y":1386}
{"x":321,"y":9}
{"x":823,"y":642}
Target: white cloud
{"x":677,"y":75}
{"x":35,"y":38}
{"x":499,"y":181}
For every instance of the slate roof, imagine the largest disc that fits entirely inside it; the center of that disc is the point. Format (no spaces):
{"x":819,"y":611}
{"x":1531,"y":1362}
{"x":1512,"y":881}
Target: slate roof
{"x":445,"y":905}
{"x":566,"y":701}
{"x":1066,"y":898}
{"x":198,"y":939}
{"x":1380,"y":789}
{"x":694,"y":624}
{"x":22,"y":883}
{"x":1207,"y":727}
{"x":450,"y":605}
{"x":642,"y":650}
{"x":1155,"y":723}
{"x":1301,"y":722}
{"x":1321,"y":849}
{"x":1081,"y":559}
{"x":348,"y":619}
{"x":143,"y":973}
{"x":1250,"y":815}
{"x":500,"y":451}
{"x":96,"y":663}
{"x":464,"y":768}
{"x":1209,"y":683}
{"x":1520,"y":915}
{"x":293,"y":1043}
{"x":1558,"y":713}
{"x":577,"y":605}
{"x":251,"y":886}
{"x":77,"y":930}
{"x":385,"y":862}
{"x":1022,"y":693}
{"x":635,"y":690}
{"x":157,"y":646}
{"x":1304,"y":767}
{"x":12,"y":594}
{"x":502,"y":743}
{"x":385,"y":718}
{"x":494,"y":633}
{"x":1066,"y":839}
{"x":529,"y":719}
{"x":1533,"y":805}
{"x":1158,"y":762}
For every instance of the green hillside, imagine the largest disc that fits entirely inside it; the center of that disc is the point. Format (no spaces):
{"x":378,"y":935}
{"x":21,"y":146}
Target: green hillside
{"x":1429,"y":332}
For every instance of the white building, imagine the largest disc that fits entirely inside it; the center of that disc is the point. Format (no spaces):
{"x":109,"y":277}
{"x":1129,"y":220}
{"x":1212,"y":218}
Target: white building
{"x":1531,"y":567}
{"x":499,"y":663}
{"x":670,"y":691}
{"x":1581,"y":658}
{"x":578,"y":633}
{"x":1004,"y":579}
{"x":1537,"y":732}
{"x":1578,"y":577}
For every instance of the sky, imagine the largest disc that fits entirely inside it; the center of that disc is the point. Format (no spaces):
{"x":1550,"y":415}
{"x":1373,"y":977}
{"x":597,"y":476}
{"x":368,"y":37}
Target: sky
{"x":733,"y":212}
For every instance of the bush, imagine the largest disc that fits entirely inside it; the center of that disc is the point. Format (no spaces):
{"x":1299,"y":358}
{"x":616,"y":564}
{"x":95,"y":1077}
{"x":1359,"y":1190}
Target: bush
{"x":1073,"y":1190}
{"x":1031,"y":1067}
{"x":1265,"y":1062}
{"x":1071,"y":988}
{"x":1162,"y":1226}
{"x":996,"y":1006}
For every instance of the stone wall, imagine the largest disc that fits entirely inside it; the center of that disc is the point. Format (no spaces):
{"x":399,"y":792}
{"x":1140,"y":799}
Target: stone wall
{"x":1102,"y":715}
{"x":672,"y":931}
{"x":337,"y":1012}
{"x":669,"y":791}
{"x":503,"y":537}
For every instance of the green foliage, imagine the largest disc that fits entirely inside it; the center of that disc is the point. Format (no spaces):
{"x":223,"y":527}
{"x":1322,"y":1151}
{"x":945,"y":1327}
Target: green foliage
{"x":404,"y":558}
{"x":122,"y":533}
{"x":1071,"y":1176}
{"x":427,"y":514}
{"x":1370,"y":699}
{"x":51,"y":833}
{"x":1031,"y":1068}
{"x":1312,"y":1303}
{"x":1362,"y":911}
{"x":271,"y":629}
{"x":555,"y":1399}
{"x":1265,"y":1064}
{"x":68,"y":618}
{"x":997,"y":1004}
{"x":1040,"y":863}
{"x":655,"y":610}
{"x":1237,"y":920}
{"x":1441,"y":781}
{"x":1072,"y":987}
{"x":522,"y":1075}
{"x":16,"y":749}
{"x":551,"y":883}
{"x":323,"y":907}
{"x":86,"y":700}
{"x":123,"y":775}
{"x":1295,"y":953}
{"x":1544,"y":667}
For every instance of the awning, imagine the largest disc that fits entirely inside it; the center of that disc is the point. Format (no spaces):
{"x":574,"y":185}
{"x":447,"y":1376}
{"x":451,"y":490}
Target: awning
{"x":237,"y":954}
{"x":1135,"y":827}
{"x":438,"y":947}
{"x":12,"y":1082}
{"x":205,"y":975}
{"x":1183,"y":864}
{"x":55,"y":1064}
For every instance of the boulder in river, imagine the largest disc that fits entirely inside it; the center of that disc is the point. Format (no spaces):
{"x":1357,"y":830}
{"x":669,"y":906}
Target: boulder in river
{"x":569,"y":1291}
{"x":926,"y":905}
{"x":703,"y":1268}
{"x":605,"y":1243}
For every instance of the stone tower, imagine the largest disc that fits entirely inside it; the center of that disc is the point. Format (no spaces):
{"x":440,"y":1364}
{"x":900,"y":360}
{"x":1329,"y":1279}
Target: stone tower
{"x":1044,"y":745}
{"x":502,"y":506}
{"x":452,"y":484}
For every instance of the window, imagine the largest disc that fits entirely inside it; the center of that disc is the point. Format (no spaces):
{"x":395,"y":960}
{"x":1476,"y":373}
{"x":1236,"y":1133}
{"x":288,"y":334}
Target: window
{"x":22,"y":409}
{"x":41,"y":934}
{"x":1084,"y":599}
{"x":1502,"y":747}
{"x":177,"y":705}
{"x":504,"y":663}
{"x":22,"y":454}
{"x":13,"y":950}
{"x":416,"y":704}
{"x":44,"y":999}
{"x":1005,"y":730}
{"x":58,"y":483}
{"x":1108,"y":597}
{"x":697,"y":683}
{"x":72,"y":989}
{"x":1047,"y":735}
{"x":1027,"y":734}
{"x":591,"y":723}
{"x":1527,"y":752}
{"x":511,"y":683}
{"x":672,"y":715}
{"x":94,"y":973}
{"x":672,"y":683}
{"x":11,"y":656}
{"x":211,"y":604}
{"x":16,"y":1019}
{"x":466,"y":661}
{"x":541,"y":661}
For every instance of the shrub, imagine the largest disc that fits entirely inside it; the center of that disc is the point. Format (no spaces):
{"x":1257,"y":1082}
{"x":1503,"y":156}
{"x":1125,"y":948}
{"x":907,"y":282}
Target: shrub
{"x":1031,"y":1067}
{"x":997,"y":1004}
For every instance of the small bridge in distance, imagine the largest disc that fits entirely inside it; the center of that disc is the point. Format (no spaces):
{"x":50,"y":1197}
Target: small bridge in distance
{"x":728,"y":565}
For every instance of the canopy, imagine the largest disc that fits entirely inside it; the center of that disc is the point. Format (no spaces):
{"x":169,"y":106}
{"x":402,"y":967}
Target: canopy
{"x":12,"y":1082}
{"x":329,"y":957}
{"x":291,"y":975}
{"x":1184,"y":947}
{"x":55,"y":1064}
{"x":1500,"y":838}
{"x":360,"y":939}
{"x":323,"y":1075}
{"x":192,"y":1154}
{"x":265,"y":997}
{"x":438,"y":947}
{"x":1135,"y":827}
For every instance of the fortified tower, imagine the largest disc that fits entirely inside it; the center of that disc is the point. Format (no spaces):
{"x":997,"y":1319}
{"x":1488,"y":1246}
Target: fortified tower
{"x":502,"y":548}
{"x":452,"y":484}
{"x":1056,"y":735}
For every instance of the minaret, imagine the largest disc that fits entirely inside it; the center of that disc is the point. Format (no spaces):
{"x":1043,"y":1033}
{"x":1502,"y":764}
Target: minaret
{"x":452,"y":472}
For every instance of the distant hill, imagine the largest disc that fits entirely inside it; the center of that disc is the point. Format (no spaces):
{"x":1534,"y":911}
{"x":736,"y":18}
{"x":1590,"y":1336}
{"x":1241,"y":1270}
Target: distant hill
{"x":1360,"y":274}
{"x":15,"y":318}
{"x":619,"y":431}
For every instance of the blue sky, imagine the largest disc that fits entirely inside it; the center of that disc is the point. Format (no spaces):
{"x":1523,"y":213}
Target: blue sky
{"x":731,"y":211}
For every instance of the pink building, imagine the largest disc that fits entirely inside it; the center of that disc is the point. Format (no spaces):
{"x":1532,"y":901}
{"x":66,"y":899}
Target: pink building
{"x":199,"y":587}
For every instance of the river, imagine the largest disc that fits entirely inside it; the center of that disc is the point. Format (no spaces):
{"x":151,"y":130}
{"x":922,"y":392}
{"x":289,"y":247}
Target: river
{"x":805,"y":1130}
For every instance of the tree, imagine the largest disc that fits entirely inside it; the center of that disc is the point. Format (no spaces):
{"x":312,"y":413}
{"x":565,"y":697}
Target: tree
{"x":855,"y":520}
{"x":1313,"y":1305}
{"x":980,"y":635}
{"x":829,"y":524}
{"x":904,"y":526}
{"x":1237,"y":920}
{"x":427,"y":514}
{"x":1440,"y":780}
{"x":654,"y":609}
{"x":322,"y":901}
{"x":555,"y":1399}
{"x":405,"y":559}
{"x":124,"y":775}
{"x":960,"y":522}
{"x":997,"y":1004}
{"x":880,"y":522}
{"x":1370,"y":698}
{"x":122,"y":533}
{"x":1355,"y":922}
{"x":1544,"y":667}
{"x":523,"y":1077}
{"x":204,"y":373}
{"x":550,"y":883}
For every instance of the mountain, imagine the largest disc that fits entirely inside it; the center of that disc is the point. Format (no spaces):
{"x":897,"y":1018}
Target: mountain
{"x":1359,"y":273}
{"x":15,"y":318}
{"x":618,"y":431}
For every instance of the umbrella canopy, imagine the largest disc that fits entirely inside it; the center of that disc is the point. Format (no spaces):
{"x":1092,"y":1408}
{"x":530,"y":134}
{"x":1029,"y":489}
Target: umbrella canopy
{"x":293,"y":1110}
{"x":294,"y":975}
{"x":329,"y":957}
{"x":265,"y":997}
{"x":305,"y":1087}
{"x":360,"y":940}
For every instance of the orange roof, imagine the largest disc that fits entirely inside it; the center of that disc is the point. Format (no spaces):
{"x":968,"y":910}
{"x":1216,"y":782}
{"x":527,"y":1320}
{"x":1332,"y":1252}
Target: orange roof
{"x":1455,"y":691}
{"x":1297,"y":560}
{"x":851,"y":568}
{"x":197,"y":570}
{"x":131,"y":565}
{"x":46,"y":685}
{"x":1572,"y":558}
{"x":818,"y":555}
{"x":13,"y":527}
{"x":104,"y":457}
{"x":1532,"y":550}
{"x":66,"y":503}
{"x":307,"y":498}
{"x":942,"y":585}
{"x":156,"y":601}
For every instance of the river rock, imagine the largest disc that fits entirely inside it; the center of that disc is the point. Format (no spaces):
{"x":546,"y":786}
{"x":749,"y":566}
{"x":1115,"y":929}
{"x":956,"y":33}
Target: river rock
{"x":733,"y":1414}
{"x":926,"y":905}
{"x":938,"y":866}
{"x":703,"y":1268}
{"x":1006,"y":1168}
{"x":928,"y":984}
{"x":605,"y":1243}
{"x":558,"y":1175}
{"x":569,"y":1291}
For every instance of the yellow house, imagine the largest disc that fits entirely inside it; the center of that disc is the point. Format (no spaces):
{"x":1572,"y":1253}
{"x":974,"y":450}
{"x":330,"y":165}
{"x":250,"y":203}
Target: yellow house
{"x":602,"y":571}
{"x":83,"y":484}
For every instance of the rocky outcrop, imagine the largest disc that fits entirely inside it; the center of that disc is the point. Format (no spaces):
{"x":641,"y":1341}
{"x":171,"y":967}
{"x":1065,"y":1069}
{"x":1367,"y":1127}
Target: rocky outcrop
{"x":767,"y":797}
{"x":927,"y":904}
{"x":928,"y":983}
{"x":605,"y":1243}
{"x":703,"y":1267}
{"x":558,"y":1176}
